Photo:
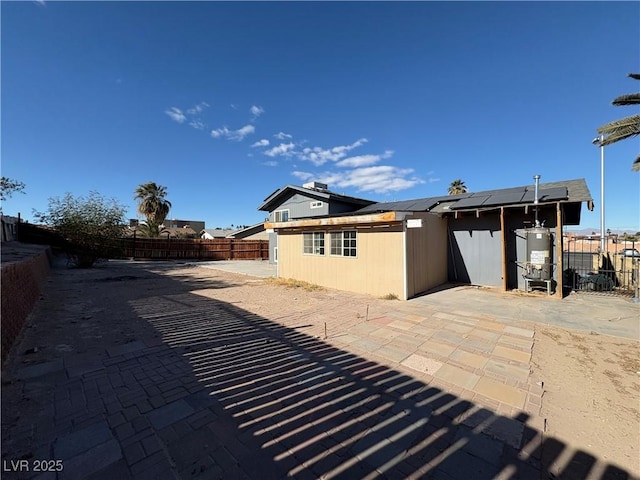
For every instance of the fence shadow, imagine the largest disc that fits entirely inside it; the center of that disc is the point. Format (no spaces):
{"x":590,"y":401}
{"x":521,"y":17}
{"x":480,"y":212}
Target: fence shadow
{"x":227,"y":393}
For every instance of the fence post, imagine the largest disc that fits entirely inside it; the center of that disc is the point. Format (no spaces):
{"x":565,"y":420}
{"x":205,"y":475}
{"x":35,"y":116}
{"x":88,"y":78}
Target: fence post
{"x":636,"y":282}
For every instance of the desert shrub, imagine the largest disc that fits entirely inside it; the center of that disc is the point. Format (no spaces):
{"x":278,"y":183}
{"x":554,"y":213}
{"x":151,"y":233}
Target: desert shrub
{"x":92,"y":226}
{"x":292,"y":283}
{"x":390,"y":296}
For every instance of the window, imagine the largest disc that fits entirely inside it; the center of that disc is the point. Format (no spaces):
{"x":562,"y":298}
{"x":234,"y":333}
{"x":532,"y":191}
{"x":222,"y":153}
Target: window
{"x":336,"y":244}
{"x":344,"y":243}
{"x":281,"y":216}
{"x":316,"y":204}
{"x":313,"y":243}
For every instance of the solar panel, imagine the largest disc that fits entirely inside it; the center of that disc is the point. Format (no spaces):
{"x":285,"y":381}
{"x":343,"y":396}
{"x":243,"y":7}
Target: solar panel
{"x":504,"y":198}
{"x":442,"y":207}
{"x":547,"y":195}
{"x":470,"y":202}
{"x":556,"y":193}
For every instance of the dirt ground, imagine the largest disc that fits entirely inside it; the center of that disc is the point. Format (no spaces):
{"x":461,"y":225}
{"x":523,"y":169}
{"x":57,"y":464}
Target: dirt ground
{"x":592,"y":393}
{"x":591,"y":382}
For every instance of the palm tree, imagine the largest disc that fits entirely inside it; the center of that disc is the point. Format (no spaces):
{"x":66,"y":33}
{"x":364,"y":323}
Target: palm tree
{"x":457,"y":187}
{"x":627,"y":127}
{"x":152,"y":204}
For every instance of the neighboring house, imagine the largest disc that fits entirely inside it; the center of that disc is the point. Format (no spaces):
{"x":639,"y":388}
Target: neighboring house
{"x":312,"y":200}
{"x":254,"y":232}
{"x":195,"y":225}
{"x":211,"y":233}
{"x":182,"y":232}
{"x":408,"y":247}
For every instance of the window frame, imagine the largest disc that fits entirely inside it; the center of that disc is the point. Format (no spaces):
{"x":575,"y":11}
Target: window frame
{"x":276,"y":212}
{"x":339,"y":235}
{"x":317,"y":204}
{"x":318,"y":245}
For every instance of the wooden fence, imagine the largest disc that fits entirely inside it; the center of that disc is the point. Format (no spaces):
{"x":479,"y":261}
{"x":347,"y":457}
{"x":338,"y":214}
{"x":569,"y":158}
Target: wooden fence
{"x":158,"y":248}
{"x":195,"y":248}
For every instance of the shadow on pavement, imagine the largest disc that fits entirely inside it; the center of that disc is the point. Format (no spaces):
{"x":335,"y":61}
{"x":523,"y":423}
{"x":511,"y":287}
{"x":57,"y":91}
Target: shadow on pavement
{"x":209,"y":390}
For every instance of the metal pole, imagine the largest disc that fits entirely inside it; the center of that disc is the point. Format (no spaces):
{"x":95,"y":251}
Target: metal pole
{"x":600,"y":142}
{"x":603,"y":239}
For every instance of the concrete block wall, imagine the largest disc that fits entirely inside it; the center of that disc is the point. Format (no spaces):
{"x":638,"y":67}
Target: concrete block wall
{"x":21,"y":282}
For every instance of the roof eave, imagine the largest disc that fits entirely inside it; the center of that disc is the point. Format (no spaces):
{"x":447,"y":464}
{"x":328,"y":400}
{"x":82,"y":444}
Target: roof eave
{"x":385,"y":217}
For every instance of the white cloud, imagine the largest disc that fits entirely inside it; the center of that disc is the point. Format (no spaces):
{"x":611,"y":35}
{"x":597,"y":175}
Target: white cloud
{"x":284,"y":149}
{"x":176,"y":114}
{"x":270,"y":163}
{"x":242,"y":132}
{"x":198,"y":108}
{"x":379,"y":179}
{"x":302,"y":175}
{"x":236,"y":135}
{"x":220,"y":132}
{"x":433,"y":180}
{"x":282,"y":136}
{"x":256,"y":111}
{"x":319,"y":156}
{"x":261,"y":143}
{"x":364,"y":160}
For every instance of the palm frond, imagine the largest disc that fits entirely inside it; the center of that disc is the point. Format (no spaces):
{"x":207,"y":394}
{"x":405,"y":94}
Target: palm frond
{"x":620,"y":129}
{"x":635,"y":76}
{"x":630,"y":99}
{"x":636,"y":164}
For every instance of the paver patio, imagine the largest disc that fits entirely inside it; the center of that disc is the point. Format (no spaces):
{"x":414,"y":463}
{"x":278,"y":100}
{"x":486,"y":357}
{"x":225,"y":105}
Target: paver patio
{"x":200,"y":388}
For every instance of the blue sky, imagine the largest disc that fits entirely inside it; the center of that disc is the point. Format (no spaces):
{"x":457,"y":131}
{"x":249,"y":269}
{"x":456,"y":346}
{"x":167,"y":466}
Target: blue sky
{"x":225,"y":102}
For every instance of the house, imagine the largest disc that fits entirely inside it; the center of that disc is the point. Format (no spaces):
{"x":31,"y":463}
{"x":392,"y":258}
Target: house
{"x":312,"y":200}
{"x":211,"y":233}
{"x":172,"y":226}
{"x":196,"y":225}
{"x":253,"y":232}
{"x":178,"y":232}
{"x":406,"y":248}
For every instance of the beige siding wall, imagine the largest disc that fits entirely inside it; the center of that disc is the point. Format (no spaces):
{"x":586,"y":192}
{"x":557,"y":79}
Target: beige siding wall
{"x":426,"y":254}
{"x":257,"y":236}
{"x":377,"y":269}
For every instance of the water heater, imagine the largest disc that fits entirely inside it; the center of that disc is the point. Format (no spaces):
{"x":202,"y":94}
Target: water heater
{"x":539,"y":250}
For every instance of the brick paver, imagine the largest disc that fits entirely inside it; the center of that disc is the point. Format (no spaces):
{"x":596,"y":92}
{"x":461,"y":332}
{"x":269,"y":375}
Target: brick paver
{"x":204,"y":389}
